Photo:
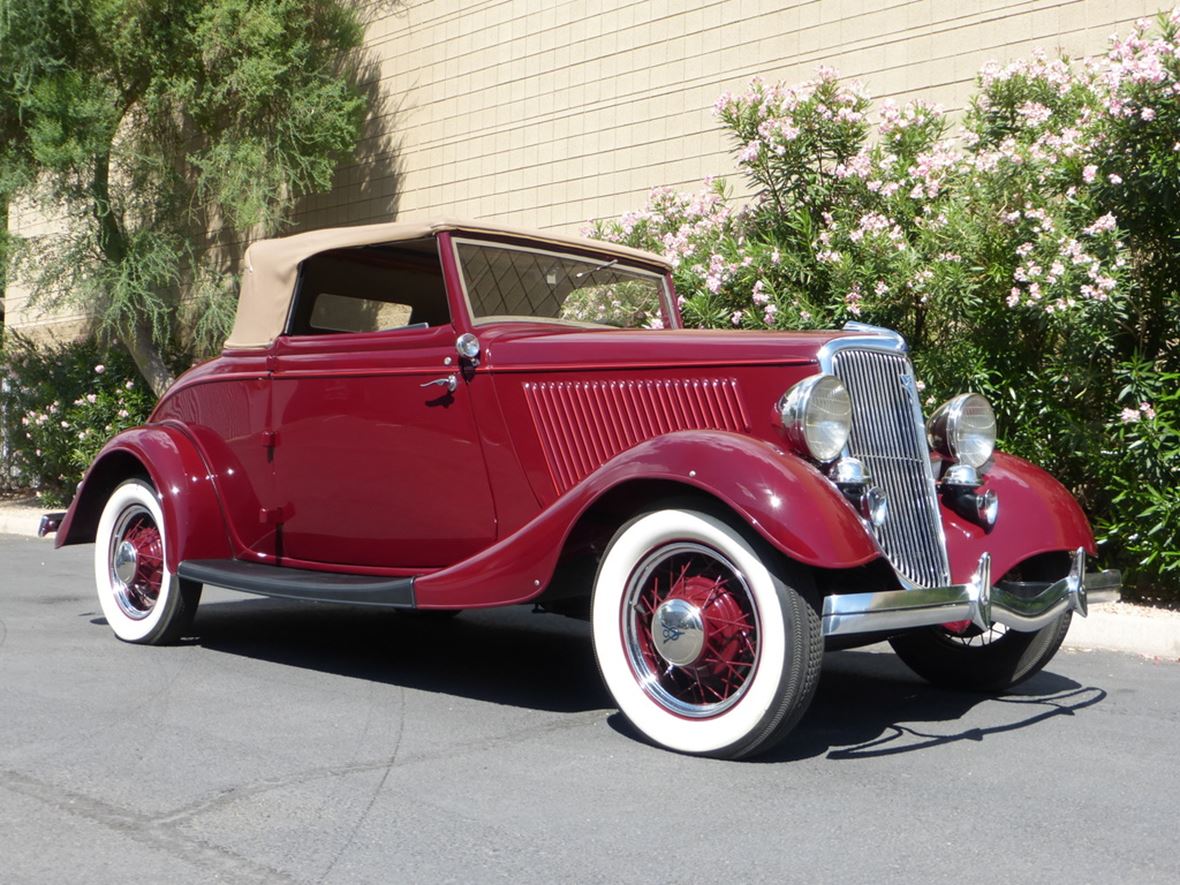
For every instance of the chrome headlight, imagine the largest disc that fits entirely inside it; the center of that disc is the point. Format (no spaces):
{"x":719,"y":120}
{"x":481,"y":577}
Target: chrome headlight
{"x":964,"y":428}
{"x":817,"y":415}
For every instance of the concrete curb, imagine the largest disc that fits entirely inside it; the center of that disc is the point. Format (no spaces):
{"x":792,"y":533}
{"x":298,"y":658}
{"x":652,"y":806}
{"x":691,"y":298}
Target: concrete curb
{"x":1120,"y":626}
{"x":20,"y":519}
{"x":1115,"y":626}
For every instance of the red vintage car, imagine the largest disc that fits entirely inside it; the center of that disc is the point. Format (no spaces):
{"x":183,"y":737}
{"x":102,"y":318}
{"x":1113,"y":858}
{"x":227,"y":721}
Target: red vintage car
{"x":453,"y":415}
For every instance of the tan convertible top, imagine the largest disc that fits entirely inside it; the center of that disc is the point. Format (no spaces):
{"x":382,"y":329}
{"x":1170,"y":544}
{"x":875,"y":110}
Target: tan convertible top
{"x":268,"y":278}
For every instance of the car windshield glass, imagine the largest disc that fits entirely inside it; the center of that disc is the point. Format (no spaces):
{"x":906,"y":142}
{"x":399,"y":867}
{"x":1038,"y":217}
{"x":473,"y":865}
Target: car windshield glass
{"x":508,"y":282}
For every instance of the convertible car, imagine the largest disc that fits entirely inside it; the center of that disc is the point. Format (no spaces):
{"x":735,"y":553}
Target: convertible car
{"x":453,"y":415}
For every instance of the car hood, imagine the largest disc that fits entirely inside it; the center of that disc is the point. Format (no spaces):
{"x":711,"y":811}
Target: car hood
{"x":537,"y":346}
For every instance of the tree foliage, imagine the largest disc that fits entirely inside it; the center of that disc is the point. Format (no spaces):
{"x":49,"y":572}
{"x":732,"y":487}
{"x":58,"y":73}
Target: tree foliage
{"x":139,"y":127}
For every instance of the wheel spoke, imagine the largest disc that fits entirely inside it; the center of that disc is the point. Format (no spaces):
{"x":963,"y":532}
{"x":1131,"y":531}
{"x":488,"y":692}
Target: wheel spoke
{"x":136,"y":547}
{"x":682,"y":587}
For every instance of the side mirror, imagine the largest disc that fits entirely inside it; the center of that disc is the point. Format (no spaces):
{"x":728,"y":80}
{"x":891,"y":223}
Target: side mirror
{"x":467,"y":346}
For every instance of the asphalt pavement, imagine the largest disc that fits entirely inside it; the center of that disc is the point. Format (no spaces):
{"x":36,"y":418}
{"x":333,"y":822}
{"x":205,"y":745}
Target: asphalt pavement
{"x":288,"y":742}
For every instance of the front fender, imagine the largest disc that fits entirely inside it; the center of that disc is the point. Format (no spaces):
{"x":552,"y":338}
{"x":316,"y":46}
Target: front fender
{"x":194,"y":524}
{"x":1037,"y":515}
{"x":783,"y":498}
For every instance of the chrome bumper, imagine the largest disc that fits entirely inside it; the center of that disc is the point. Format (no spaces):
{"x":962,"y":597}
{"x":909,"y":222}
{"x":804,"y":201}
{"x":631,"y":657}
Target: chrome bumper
{"x":978,"y":601}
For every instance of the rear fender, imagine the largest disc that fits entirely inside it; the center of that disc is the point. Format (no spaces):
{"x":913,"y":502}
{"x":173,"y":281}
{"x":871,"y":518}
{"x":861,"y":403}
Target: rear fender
{"x":1037,"y":515}
{"x":164,"y":454}
{"x":787,"y":501}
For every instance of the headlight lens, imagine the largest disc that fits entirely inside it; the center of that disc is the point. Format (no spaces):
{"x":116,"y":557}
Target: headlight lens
{"x":817,"y":415}
{"x":964,"y":428}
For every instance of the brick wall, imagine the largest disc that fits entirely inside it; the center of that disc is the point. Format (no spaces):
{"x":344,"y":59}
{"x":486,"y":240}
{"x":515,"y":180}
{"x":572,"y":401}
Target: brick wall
{"x":549,"y":114}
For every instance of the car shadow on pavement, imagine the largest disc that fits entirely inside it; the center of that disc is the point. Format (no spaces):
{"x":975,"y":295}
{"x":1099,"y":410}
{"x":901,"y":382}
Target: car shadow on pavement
{"x":869,"y":705}
{"x":507,"y":656}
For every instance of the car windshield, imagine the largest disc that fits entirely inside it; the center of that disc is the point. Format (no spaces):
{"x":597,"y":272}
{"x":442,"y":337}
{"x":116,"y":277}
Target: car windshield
{"x":511,"y":282}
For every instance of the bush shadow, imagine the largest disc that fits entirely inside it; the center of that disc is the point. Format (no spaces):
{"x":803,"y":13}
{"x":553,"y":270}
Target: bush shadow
{"x":366,"y":187}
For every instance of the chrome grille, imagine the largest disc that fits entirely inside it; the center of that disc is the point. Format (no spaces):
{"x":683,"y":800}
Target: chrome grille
{"x":889,"y":438}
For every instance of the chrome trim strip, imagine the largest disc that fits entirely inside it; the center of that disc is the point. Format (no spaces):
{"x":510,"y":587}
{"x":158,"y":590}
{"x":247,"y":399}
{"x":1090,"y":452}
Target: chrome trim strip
{"x":878,"y":332}
{"x":977,"y":601}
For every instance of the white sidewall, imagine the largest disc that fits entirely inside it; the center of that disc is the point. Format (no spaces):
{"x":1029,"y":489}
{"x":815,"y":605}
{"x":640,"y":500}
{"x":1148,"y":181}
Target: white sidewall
{"x":126,"y":628}
{"x":663,"y":727}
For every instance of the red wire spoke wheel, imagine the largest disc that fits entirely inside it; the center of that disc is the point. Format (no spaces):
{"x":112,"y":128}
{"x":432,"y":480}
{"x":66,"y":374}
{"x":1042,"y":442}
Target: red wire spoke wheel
{"x":142,"y":600}
{"x":691,"y":631}
{"x":136,"y":556}
{"x":701,"y":640}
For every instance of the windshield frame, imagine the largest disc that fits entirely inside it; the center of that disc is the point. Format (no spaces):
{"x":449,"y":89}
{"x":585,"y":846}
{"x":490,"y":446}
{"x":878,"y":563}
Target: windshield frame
{"x":668,"y":315}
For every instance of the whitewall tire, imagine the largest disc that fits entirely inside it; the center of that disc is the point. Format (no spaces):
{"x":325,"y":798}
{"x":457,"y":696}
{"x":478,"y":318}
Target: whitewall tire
{"x":142,"y":600}
{"x":705,"y":648}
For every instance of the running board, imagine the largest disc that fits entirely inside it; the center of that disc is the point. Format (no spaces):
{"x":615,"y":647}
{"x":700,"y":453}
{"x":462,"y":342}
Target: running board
{"x":295,"y":583}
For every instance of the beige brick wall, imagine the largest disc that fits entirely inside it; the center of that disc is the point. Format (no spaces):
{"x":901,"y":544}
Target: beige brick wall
{"x":549,"y":114}
{"x":31,"y":320}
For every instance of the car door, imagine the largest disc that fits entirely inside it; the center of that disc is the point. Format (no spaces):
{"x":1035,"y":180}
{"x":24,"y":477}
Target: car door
{"x":377,"y":456}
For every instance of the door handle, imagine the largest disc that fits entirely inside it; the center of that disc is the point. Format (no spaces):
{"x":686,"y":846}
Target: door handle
{"x":450,"y":382}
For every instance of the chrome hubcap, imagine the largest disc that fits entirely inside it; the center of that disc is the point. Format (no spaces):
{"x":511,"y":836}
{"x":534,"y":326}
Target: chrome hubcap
{"x":125,"y":559}
{"x":136,"y":562}
{"x":678,"y":632}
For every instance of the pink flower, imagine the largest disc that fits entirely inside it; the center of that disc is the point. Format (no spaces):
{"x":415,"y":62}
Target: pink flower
{"x":91,"y":398}
{"x":1089,"y":173}
{"x":1147,"y":411}
{"x":1114,"y":179}
{"x":99,"y":369}
{"x":852,"y":300}
{"x":1129,"y":416}
{"x":1106,"y":223}
{"x":1034,"y":112}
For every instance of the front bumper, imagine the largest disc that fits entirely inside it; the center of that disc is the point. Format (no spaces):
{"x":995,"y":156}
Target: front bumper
{"x":1023,"y":607}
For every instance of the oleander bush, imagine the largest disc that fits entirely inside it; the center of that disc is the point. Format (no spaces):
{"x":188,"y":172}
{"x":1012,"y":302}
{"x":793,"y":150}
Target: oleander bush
{"x":60,"y":405}
{"x":1028,"y":252}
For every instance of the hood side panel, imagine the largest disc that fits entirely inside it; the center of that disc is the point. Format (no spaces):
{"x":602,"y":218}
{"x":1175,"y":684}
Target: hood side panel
{"x":583,"y":424}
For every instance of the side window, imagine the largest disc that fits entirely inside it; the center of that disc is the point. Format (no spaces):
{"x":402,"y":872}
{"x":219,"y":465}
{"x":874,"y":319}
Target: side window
{"x":370,"y":289}
{"x":343,"y":313}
